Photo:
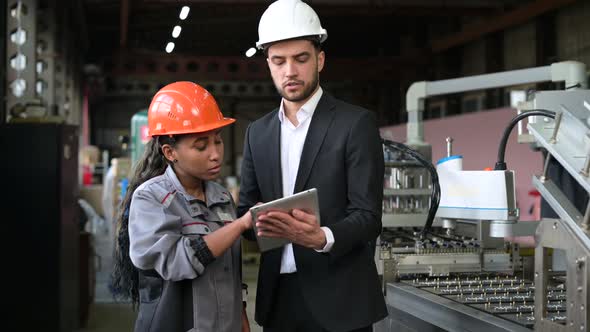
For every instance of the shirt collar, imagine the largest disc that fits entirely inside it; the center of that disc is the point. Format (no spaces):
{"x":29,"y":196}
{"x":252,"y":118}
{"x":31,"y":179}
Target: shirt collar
{"x":306,"y":110}
{"x":215,"y":193}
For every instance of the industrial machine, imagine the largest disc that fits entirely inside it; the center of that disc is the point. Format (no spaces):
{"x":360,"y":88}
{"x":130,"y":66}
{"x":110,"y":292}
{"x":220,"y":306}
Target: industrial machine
{"x":43,"y":208}
{"x":139,"y":135}
{"x":442,"y":254}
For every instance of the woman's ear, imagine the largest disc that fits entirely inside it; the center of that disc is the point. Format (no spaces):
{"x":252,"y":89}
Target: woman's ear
{"x":168,"y":152}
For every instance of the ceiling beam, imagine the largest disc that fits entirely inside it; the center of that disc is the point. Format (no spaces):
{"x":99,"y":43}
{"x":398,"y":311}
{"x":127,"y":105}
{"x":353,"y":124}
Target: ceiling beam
{"x":501,"y":22}
{"x":239,"y":68}
{"x":369,"y":3}
{"x":226,"y":9}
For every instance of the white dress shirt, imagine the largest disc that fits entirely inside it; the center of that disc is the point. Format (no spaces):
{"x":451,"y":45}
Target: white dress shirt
{"x":292,"y":140}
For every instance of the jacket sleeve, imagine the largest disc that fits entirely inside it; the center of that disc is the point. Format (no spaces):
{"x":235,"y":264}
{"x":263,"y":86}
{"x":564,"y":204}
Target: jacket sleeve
{"x":364,"y":169}
{"x":249,"y":190}
{"x":156,"y":242}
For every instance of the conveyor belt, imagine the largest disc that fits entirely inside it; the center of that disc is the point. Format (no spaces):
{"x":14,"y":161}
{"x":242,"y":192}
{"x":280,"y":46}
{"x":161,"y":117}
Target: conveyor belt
{"x":474,"y":303}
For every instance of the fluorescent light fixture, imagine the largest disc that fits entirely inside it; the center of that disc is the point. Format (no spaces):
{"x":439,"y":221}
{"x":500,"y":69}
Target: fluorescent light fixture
{"x":170,"y":47}
{"x":176,"y":31}
{"x":250,"y":52}
{"x":184,"y":12}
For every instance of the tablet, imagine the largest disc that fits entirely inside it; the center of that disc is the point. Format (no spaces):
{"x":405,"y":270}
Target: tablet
{"x":306,"y":200}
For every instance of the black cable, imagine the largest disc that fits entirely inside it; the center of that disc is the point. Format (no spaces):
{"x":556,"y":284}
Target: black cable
{"x":501,"y":164}
{"x":435,"y":196}
{"x":577,"y":85}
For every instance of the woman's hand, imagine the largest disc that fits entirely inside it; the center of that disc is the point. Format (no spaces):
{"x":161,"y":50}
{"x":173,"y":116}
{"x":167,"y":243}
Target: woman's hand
{"x":246,"y":221}
{"x":245,"y":322}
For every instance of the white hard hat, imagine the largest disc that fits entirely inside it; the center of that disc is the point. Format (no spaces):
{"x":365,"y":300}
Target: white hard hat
{"x":286,"y":19}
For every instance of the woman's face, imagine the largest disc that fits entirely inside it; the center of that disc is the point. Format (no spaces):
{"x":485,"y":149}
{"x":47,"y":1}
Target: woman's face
{"x":199,"y":155}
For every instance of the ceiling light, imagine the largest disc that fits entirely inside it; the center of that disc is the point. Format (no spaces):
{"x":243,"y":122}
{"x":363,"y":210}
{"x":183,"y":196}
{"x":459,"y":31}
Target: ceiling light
{"x":176,"y":31}
{"x":250,"y":52}
{"x":170,"y":47}
{"x":184,"y":12}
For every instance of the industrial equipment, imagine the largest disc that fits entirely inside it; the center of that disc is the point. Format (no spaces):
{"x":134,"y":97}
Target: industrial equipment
{"x":457,"y":272}
{"x":42,"y":209}
{"x":139,"y":135}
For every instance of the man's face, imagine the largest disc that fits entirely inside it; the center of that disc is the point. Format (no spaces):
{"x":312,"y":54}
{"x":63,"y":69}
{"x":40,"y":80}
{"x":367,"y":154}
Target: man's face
{"x":295,"y":66}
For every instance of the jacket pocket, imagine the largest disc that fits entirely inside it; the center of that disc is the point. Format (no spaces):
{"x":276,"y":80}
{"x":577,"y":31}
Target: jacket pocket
{"x":150,"y":289}
{"x":150,"y":292}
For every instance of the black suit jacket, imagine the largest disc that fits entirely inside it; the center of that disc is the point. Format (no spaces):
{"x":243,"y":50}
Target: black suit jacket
{"x":342,"y":157}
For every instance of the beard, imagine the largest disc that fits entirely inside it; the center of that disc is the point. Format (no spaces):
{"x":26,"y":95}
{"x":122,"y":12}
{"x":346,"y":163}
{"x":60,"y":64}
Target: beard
{"x":306,"y":93}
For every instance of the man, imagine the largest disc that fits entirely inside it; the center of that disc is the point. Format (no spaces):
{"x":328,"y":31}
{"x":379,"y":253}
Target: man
{"x":326,"y":280}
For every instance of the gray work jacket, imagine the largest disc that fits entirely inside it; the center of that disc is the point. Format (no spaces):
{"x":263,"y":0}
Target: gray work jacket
{"x":177,"y":292}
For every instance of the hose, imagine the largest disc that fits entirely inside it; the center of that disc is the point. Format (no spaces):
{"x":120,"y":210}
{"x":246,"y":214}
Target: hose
{"x":435,"y":195}
{"x":501,"y":164}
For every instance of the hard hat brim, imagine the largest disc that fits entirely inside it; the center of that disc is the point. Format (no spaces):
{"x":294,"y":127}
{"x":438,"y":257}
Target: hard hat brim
{"x":261,"y":44}
{"x":199,"y":129}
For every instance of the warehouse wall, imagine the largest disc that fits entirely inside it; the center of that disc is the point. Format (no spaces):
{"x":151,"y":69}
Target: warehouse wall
{"x":573,"y":32}
{"x":474,"y":58}
{"x":554,"y":36}
{"x":520,"y":47}
{"x":572,"y":37}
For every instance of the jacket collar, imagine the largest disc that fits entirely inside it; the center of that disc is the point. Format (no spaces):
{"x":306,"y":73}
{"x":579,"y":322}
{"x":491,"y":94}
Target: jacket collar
{"x":214,"y":192}
{"x":320,"y":122}
{"x":306,"y":110}
{"x":318,"y":128}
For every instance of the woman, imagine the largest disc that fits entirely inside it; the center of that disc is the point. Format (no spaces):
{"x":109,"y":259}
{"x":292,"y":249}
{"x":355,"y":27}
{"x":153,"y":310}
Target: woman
{"x":178,"y":251}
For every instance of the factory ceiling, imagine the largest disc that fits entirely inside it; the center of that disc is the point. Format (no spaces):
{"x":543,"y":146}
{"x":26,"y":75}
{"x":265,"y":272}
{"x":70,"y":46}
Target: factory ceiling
{"x":367,"y":38}
{"x":357,"y":28}
{"x":228,"y":28}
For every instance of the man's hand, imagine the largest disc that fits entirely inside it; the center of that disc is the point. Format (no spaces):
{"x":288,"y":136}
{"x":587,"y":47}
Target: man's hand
{"x":299,"y":227}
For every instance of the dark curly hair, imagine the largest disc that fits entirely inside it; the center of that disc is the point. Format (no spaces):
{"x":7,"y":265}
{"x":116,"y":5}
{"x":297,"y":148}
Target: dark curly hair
{"x":125,"y":277}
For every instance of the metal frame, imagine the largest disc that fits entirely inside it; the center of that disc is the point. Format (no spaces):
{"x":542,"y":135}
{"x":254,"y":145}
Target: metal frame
{"x":141,"y":65}
{"x":557,"y":200}
{"x":52,"y":63}
{"x":24,"y":19}
{"x":565,"y":235}
{"x":45,"y":65}
{"x":121,"y":86}
{"x":572,"y":72}
{"x":567,"y":139}
{"x":443,"y":312}
{"x":570,"y":147}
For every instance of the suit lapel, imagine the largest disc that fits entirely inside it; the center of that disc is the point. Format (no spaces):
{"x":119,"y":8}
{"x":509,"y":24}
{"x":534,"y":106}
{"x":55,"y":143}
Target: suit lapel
{"x":322,"y":117}
{"x":274,"y":142}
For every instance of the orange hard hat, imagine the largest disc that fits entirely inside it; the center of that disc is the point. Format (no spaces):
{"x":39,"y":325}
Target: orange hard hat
{"x":184,"y":108}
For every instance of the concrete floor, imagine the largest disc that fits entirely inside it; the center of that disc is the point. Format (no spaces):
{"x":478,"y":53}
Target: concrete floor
{"x":106,"y":315}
